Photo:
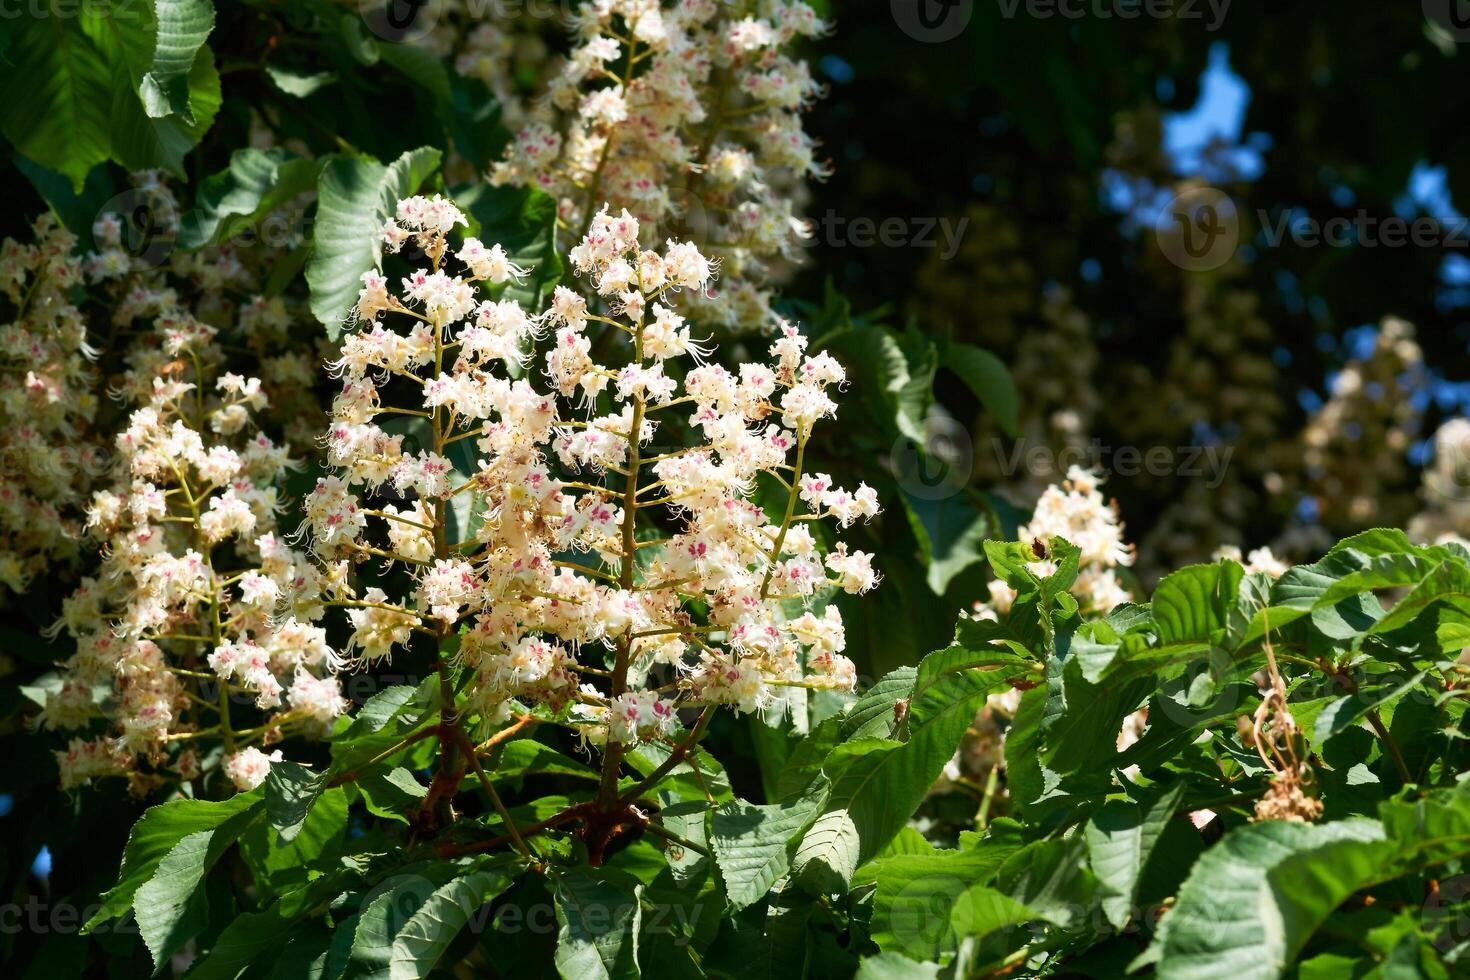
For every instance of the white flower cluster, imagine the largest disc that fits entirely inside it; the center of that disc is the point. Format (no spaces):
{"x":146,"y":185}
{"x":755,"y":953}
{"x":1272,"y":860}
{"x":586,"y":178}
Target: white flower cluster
{"x":595,"y":550}
{"x":199,"y":606}
{"x":47,"y":404}
{"x":1446,"y":488}
{"x":1354,"y":449}
{"x":687,"y":114}
{"x":1077,"y":511}
{"x":204,"y":284}
{"x":1261,"y":560}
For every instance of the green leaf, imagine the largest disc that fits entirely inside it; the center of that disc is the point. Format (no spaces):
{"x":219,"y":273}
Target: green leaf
{"x":872,"y":715}
{"x":385,"y":913}
{"x":125,"y":35}
{"x":299,"y":83}
{"x":917,"y":894}
{"x":429,"y":931}
{"x":1300,"y":587}
{"x":168,"y":909}
{"x":183,"y":26}
{"x":390,"y":792}
{"x":752,"y":844}
{"x":161,"y":828}
{"x":987,"y":377}
{"x":1253,"y":900}
{"x":255,"y":183}
{"x":877,"y":783}
{"x":901,"y":379}
{"x":280,"y":865}
{"x":1194,"y":603}
{"x":385,"y":719}
{"x":58,"y":90}
{"x":356,"y":195}
{"x":1347,"y":710}
{"x":1446,"y":584}
{"x":1051,"y":879}
{"x":952,"y":534}
{"x":805,"y":762}
{"x":290,"y":790}
{"x":1453,"y":637}
{"x":1120,"y":839}
{"x":523,"y":221}
{"x":419,"y":65}
{"x":254,"y":938}
{"x":683,"y":779}
{"x":599,"y":919}
{"x":894,"y":966}
{"x":525,"y":757}
{"x":78,"y":211}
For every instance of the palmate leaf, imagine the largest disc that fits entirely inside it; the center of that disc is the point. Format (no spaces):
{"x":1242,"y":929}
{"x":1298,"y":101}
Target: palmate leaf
{"x":169,"y":906}
{"x":1446,"y":584}
{"x":254,"y":938}
{"x":872,"y":715}
{"x":126,"y":37}
{"x":356,"y":195}
{"x":688,"y":782}
{"x":951,"y":533}
{"x":1300,"y":588}
{"x":1347,"y":710}
{"x":78,"y":211}
{"x":898,"y":370}
{"x":290,"y":790}
{"x":524,"y":757}
{"x":281,"y":865}
{"x":386,"y":912}
{"x":384,"y":719}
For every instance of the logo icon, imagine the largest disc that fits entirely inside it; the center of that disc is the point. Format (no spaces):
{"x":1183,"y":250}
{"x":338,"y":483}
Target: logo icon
{"x":1450,"y":16}
{"x":142,"y":228}
{"x":400,"y":21}
{"x":921,"y":913}
{"x":1445,"y":915}
{"x":939,"y":468}
{"x":1199,"y":229}
{"x":1209,"y":688}
{"x":932,"y":21}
